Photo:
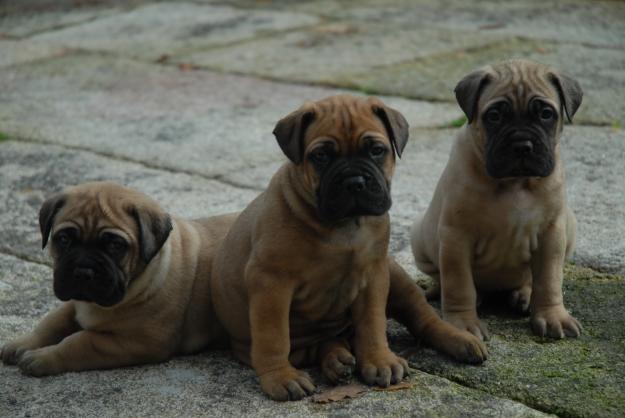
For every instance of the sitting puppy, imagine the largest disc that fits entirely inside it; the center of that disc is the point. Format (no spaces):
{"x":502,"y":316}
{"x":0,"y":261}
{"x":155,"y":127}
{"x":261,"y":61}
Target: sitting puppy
{"x":303,"y":275}
{"x":498,"y":219}
{"x":135,"y":283}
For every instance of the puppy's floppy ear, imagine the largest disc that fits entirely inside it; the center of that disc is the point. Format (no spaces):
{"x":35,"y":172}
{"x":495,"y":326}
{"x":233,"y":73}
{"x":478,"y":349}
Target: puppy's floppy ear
{"x":154,"y":228}
{"x":48,"y":211}
{"x":395,"y":124}
{"x":290,"y":131}
{"x":570,"y":93}
{"x":468,"y":92}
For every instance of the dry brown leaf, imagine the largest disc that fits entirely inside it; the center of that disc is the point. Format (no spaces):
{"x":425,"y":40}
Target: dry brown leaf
{"x":399,"y":386}
{"x":186,"y":67}
{"x":162,"y":59}
{"x":339,"y":393}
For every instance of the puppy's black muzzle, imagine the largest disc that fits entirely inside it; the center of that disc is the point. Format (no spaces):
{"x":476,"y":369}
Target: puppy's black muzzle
{"x":519,"y":153}
{"x":352,"y":187}
{"x":90,"y":276}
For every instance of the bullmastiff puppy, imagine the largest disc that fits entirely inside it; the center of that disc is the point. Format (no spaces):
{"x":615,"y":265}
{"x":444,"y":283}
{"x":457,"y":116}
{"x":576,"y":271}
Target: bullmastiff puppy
{"x":499,"y":219}
{"x":134,"y":281}
{"x":303,"y":276}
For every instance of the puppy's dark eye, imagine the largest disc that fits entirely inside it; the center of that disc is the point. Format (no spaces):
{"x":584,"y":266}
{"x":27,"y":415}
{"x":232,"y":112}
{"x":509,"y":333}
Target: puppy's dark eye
{"x":546,"y":113}
{"x":493,"y":116}
{"x":377,"y":150}
{"x":320,"y":157}
{"x":114,"y":244}
{"x":63,"y":239}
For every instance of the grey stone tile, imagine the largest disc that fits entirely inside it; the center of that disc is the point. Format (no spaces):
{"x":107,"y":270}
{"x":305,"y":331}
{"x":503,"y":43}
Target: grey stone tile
{"x":328,"y":53}
{"x":600,"y":23}
{"x":14,"y":52}
{"x":154,"y":30}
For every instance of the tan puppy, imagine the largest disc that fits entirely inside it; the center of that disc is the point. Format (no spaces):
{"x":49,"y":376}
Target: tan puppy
{"x":498,"y":219}
{"x":135,"y":283}
{"x":303,"y":274}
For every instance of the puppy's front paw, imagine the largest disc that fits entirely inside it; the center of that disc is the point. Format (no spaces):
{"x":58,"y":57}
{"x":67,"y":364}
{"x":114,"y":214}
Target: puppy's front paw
{"x":554,"y":322}
{"x":383,"y":368}
{"x":466,"y":347}
{"x":40,"y":362}
{"x":287,"y":384}
{"x":338,"y":365}
{"x":12,"y":352}
{"x":469,"y":322}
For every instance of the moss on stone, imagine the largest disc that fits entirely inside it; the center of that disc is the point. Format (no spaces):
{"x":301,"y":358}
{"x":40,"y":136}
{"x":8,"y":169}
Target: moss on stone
{"x":571,"y":377}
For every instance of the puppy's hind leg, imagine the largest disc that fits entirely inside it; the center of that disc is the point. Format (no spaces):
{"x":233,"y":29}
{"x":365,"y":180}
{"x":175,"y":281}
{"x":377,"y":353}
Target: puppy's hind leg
{"x":519,"y":299}
{"x":337,"y":362}
{"x":407,"y":304}
{"x":423,"y":262}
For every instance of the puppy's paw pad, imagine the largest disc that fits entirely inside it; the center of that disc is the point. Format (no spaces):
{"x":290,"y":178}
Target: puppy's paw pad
{"x":287,"y":384}
{"x":383,"y":369}
{"x":555,"y":323}
{"x":339,"y":365}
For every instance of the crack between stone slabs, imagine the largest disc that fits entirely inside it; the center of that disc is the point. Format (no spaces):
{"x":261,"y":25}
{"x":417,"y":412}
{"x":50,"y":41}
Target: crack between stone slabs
{"x":464,"y":385}
{"x":355,"y":88}
{"x":218,"y":178}
{"x":114,"y":11}
{"x":262,"y":36}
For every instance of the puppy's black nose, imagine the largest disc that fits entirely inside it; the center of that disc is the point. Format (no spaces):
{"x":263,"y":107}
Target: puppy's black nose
{"x":355,"y":184}
{"x":522,"y":148}
{"x":83,"y":273}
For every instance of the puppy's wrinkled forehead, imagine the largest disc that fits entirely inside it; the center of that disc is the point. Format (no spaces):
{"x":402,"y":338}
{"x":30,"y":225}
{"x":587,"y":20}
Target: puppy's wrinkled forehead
{"x":346,"y":119}
{"x":94,"y":209}
{"x":519,"y":81}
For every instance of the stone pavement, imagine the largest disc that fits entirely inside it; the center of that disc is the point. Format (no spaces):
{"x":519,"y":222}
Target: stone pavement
{"x":178,"y":99}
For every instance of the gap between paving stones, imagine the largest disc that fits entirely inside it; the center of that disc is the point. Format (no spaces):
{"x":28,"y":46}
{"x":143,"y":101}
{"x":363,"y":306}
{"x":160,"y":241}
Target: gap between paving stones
{"x":218,"y":178}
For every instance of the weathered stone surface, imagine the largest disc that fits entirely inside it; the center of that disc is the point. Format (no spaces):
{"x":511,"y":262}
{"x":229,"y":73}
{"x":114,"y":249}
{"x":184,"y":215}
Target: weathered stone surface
{"x":598,"y":70}
{"x":35,"y":21}
{"x":19,"y":52}
{"x":154,"y":30}
{"x":29,"y":173}
{"x":573,"y":377}
{"x":192,"y":121}
{"x":593,"y":162}
{"x":328,"y":53}
{"x":598,"y":23}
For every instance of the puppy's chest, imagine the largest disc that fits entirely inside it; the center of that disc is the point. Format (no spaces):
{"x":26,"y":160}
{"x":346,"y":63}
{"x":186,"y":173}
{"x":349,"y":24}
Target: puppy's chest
{"x":337,"y":274}
{"x":330,"y":287}
{"x":509,"y":233}
{"x":87,"y":318}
